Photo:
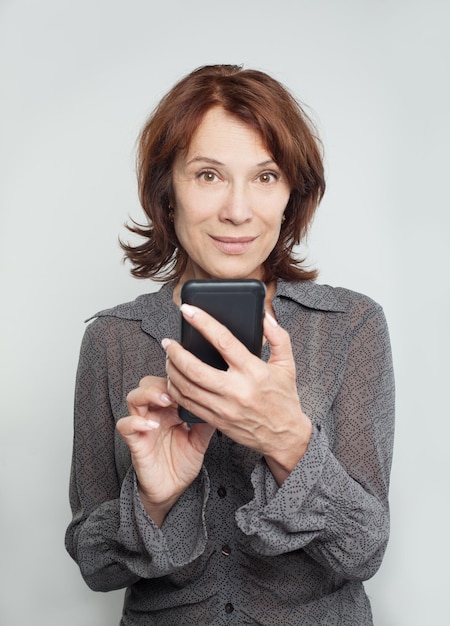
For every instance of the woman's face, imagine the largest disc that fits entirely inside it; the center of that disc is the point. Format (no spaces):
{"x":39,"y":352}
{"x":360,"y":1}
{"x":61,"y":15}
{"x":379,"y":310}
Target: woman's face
{"x":229,"y":199}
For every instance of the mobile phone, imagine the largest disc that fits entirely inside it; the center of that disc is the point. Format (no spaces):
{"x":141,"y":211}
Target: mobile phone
{"x":237,"y":304}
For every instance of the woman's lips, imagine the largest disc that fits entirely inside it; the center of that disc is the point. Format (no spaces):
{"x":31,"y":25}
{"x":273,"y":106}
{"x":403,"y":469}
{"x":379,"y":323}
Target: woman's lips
{"x":233,"y":245}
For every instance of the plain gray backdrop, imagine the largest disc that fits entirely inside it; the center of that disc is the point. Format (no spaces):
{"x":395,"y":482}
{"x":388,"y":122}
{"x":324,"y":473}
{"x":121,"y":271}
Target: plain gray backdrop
{"x":77,"y":80}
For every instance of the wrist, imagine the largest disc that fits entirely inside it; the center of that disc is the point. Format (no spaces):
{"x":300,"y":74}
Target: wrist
{"x":283,"y":461}
{"x":158,"y":511}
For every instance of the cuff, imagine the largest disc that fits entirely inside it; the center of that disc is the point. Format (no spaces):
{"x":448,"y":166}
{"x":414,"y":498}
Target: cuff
{"x":286,"y":518}
{"x":182,"y":537}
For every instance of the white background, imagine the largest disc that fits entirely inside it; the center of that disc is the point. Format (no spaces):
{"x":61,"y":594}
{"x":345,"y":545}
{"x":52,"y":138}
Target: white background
{"x":78,"y":78}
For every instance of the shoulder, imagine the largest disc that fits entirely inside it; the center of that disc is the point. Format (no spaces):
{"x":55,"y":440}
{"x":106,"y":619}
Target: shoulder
{"x":152,"y":314}
{"x":135,"y":310}
{"x":325,"y":297}
{"x":343,"y":311}
{"x":117,"y":318}
{"x":336,"y":320}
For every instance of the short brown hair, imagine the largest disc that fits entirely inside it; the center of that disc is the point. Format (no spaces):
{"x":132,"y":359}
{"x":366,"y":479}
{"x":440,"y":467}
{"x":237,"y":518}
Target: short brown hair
{"x":264,"y":104}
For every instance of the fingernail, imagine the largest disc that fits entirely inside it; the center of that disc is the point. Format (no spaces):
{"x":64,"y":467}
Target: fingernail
{"x":151,"y":424}
{"x":188,"y":310}
{"x":165,"y":343}
{"x":165,"y":398}
{"x":272,"y":320}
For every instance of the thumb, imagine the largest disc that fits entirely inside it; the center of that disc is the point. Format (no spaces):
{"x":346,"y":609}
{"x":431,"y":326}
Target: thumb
{"x":279,"y":341}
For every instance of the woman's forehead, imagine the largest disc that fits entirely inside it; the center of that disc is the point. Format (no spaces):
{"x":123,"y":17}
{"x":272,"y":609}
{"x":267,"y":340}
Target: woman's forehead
{"x":221,"y":133}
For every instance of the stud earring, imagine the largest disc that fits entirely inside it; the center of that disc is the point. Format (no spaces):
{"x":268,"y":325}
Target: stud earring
{"x":171,"y":214}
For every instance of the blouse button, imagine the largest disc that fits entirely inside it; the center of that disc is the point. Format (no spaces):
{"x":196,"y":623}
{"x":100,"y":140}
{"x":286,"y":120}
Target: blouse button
{"x":222,"y":492}
{"x":229,"y":608}
{"x":226,"y":550}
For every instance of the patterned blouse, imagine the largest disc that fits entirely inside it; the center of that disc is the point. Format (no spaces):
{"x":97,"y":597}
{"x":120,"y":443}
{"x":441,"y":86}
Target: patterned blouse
{"x":236,"y":548}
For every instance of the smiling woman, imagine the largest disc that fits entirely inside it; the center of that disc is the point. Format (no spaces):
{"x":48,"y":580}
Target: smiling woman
{"x":260,"y":109}
{"x":274,"y":508}
{"x":228,"y":205}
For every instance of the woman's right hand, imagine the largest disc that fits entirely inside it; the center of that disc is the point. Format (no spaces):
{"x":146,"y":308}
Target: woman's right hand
{"x":167,"y":455}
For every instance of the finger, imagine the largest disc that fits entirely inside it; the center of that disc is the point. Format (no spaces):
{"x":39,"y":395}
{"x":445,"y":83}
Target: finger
{"x":187,"y":375}
{"x":232,"y":350}
{"x":152,"y":392}
{"x":133,"y":426}
{"x":198,"y":391}
{"x":279,"y":341}
{"x":153,"y":381}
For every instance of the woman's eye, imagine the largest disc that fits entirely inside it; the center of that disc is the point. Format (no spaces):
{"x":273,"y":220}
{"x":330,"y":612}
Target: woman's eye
{"x":268,"y":177}
{"x":208,"y":177}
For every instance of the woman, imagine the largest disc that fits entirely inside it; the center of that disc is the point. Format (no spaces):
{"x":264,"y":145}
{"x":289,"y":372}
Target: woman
{"x":274,"y":510}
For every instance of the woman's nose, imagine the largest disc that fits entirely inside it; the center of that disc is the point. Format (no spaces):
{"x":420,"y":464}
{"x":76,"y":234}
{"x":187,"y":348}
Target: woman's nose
{"x":237,"y":205}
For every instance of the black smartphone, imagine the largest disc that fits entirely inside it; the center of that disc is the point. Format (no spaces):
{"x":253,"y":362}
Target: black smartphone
{"x":237,"y":304}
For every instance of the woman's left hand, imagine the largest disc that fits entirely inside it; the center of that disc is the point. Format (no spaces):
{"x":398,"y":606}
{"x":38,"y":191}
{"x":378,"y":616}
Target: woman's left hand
{"x":254,"y":403}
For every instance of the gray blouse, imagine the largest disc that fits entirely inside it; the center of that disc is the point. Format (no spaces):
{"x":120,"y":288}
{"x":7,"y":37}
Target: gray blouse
{"x":236,"y":548}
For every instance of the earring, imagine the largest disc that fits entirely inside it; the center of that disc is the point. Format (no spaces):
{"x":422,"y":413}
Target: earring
{"x":170,"y":213}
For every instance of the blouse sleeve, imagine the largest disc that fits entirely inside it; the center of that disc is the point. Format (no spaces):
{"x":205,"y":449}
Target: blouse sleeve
{"x":111,"y":537}
{"x":334,"y":505}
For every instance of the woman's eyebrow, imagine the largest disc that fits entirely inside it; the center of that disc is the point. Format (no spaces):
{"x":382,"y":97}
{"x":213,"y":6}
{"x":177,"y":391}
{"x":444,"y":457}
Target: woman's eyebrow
{"x":205,"y":159}
{"x":266,"y":163}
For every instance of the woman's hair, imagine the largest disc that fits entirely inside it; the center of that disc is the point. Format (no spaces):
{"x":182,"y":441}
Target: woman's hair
{"x":286,"y":132}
